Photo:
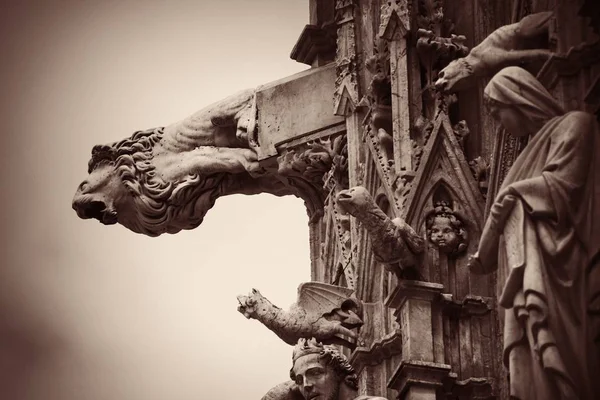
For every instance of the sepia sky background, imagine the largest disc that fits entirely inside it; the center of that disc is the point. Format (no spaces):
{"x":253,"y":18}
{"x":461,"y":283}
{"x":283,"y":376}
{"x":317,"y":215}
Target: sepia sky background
{"x":94,"y":312}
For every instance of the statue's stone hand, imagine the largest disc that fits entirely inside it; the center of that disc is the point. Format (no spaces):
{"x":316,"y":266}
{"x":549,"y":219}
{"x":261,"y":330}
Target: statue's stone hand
{"x":486,"y":258}
{"x":475,"y":265}
{"x":501,"y":208}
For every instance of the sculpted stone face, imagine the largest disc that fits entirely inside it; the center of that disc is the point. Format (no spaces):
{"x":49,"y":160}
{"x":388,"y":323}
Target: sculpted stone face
{"x":97,"y":196}
{"x":315,"y":379}
{"x":443,"y":234}
{"x":355,"y":200}
{"x":513,"y":121}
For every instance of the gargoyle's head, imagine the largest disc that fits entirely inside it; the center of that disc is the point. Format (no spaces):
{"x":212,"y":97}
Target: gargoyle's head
{"x":124,"y":186}
{"x":455,"y":76}
{"x":249,"y":304}
{"x":97,"y":196}
{"x":355,"y":200}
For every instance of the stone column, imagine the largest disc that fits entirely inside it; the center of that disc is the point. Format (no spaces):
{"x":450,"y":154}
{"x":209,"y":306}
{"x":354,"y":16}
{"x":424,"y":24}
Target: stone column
{"x":417,"y":308}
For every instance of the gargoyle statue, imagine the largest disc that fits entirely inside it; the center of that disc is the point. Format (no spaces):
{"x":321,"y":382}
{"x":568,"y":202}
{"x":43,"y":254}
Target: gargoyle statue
{"x":508,"y":45}
{"x":325,"y":312}
{"x":395,"y":243}
{"x":164,"y":180}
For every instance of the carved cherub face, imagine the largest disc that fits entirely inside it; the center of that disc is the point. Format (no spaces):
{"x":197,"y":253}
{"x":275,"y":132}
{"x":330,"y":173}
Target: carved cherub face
{"x":446,"y":231}
{"x":443,"y":234}
{"x":315,"y":379}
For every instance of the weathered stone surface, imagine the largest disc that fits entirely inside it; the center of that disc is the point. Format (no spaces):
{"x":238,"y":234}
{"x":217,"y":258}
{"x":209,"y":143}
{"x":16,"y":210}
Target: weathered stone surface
{"x":377,"y":118}
{"x":166,"y":179}
{"x":549,"y":292}
{"x":328,"y":313}
{"x":446,"y":229}
{"x":395,"y":242}
{"x":322,"y":372}
{"x":278,"y":105}
{"x":504,"y":47}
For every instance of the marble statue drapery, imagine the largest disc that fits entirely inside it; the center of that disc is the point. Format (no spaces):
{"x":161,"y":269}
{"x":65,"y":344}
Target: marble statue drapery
{"x":544,"y":232}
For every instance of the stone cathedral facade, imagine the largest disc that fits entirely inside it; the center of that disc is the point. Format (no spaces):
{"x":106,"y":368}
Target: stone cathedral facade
{"x":391,"y":143}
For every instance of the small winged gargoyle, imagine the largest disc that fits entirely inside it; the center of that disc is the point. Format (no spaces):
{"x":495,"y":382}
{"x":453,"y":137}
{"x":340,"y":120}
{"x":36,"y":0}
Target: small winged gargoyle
{"x":325,"y":312}
{"x":395,"y":243}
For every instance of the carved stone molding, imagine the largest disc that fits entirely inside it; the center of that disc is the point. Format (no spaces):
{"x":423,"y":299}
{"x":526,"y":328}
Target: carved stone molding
{"x":443,"y":161}
{"x":394,"y":27}
{"x":395,"y":19}
{"x":381,"y":349}
{"x":506,"y":150}
{"x":336,"y":180}
{"x":468,"y":306}
{"x":315,"y":43}
{"x":346,"y":95}
{"x":419,"y":379}
{"x":471,"y":388}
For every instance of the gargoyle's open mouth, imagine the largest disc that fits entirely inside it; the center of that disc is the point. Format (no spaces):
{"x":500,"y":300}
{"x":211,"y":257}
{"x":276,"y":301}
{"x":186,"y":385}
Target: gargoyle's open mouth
{"x":96,"y":209}
{"x":344,"y":195}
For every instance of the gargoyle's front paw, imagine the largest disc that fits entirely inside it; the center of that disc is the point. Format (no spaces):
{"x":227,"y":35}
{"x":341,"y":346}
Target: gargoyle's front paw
{"x":255,"y":170}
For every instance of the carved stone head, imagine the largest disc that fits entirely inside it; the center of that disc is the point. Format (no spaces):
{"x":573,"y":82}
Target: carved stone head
{"x":446,"y":230}
{"x":249,"y":304}
{"x":125,"y":186}
{"x":321,"y":372}
{"x":356,"y":200}
{"x":519,"y":101}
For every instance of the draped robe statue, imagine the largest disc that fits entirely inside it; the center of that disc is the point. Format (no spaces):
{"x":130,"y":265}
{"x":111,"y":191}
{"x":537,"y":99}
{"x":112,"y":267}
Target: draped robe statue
{"x":543,"y":237}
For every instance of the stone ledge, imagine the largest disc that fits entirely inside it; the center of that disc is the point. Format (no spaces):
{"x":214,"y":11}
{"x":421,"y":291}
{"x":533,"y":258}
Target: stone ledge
{"x":384,"y":348}
{"x":471,"y":388}
{"x":413,"y":290}
{"x":314,"y":42}
{"x":469,"y":306}
{"x":418,"y":373}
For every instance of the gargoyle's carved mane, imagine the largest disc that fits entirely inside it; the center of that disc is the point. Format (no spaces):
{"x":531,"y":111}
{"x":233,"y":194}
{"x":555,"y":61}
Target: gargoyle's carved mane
{"x":138,"y":146}
{"x":161,"y":207}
